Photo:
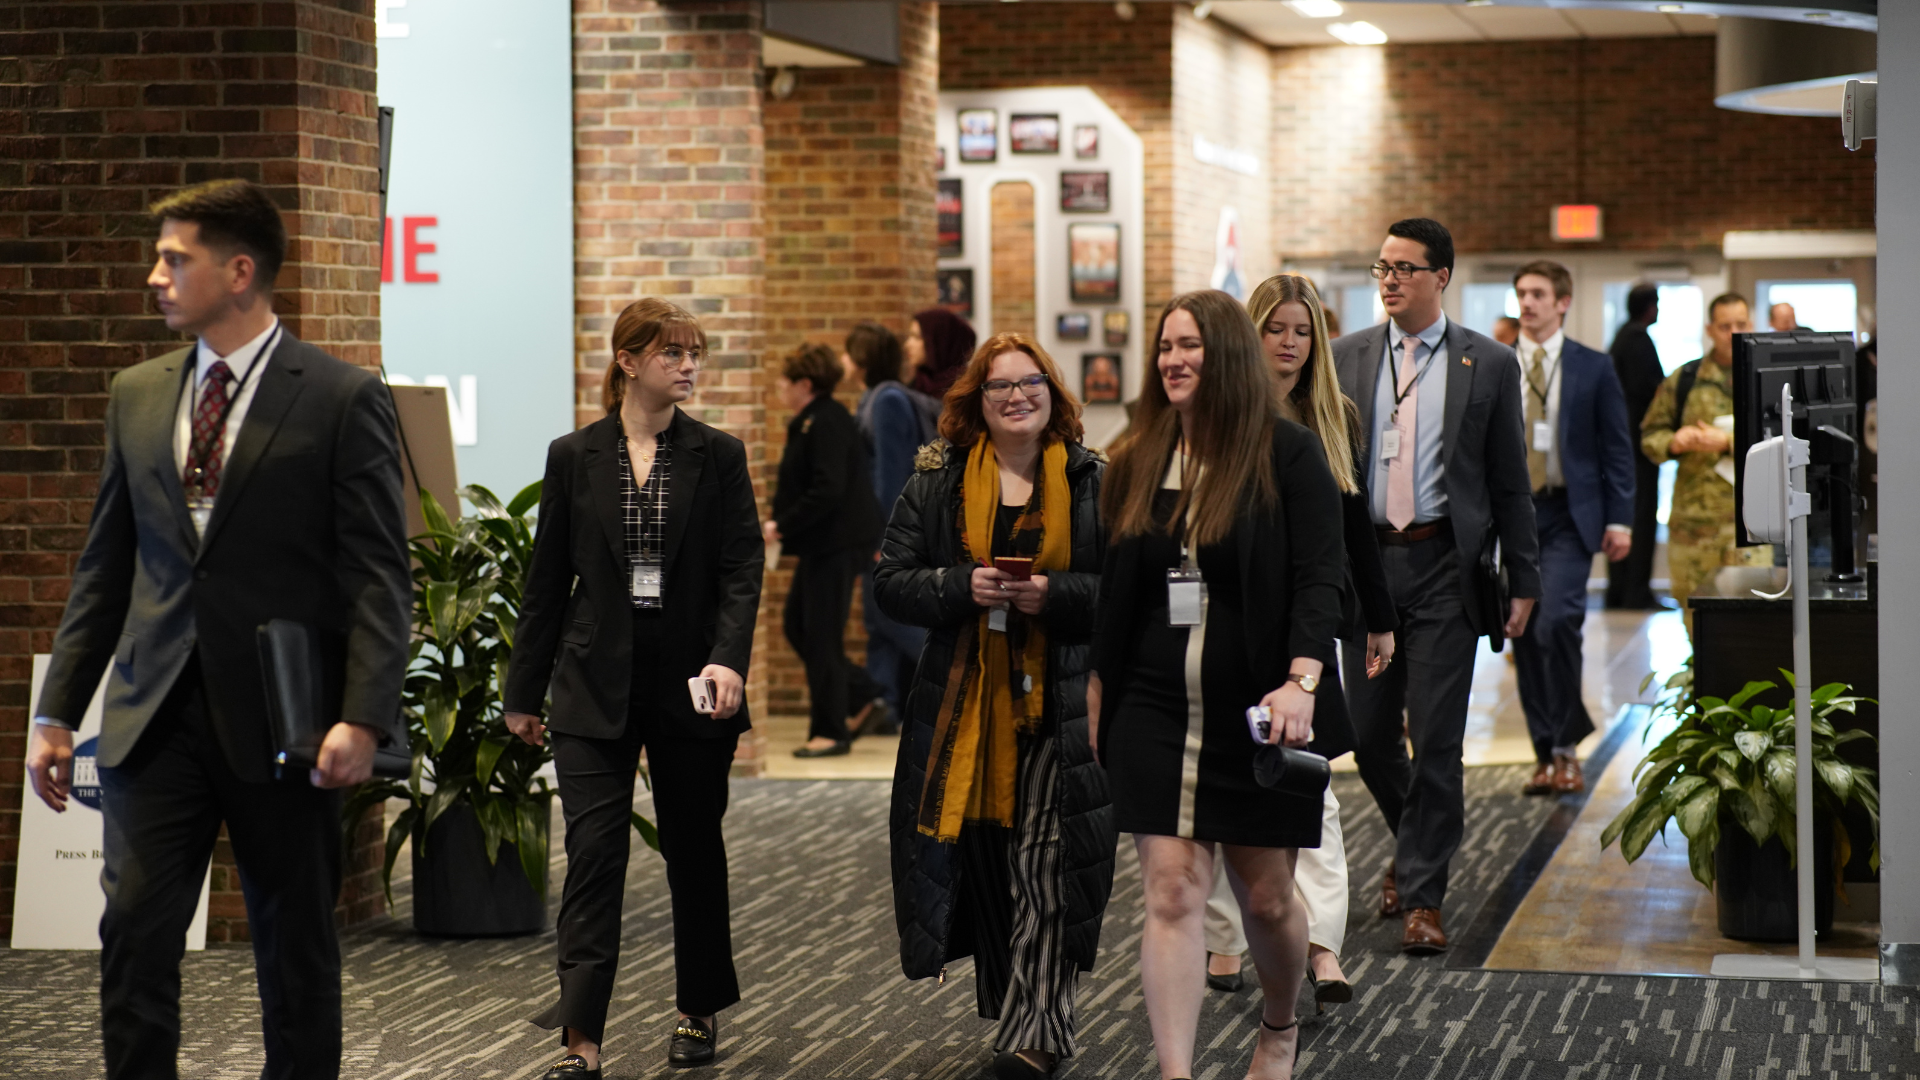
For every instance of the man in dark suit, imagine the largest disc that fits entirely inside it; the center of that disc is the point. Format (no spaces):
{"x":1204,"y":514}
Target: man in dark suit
{"x":247,"y":477}
{"x":1580,"y":466}
{"x":1636,"y":361}
{"x":1446,"y":469}
{"x":825,"y":512}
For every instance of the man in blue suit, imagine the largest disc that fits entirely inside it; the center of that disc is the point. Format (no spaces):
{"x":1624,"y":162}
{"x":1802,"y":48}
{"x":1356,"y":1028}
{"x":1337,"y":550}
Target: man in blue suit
{"x":1580,"y":463}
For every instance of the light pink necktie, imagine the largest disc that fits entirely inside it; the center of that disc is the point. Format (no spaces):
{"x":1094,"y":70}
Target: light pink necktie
{"x":1400,"y":469}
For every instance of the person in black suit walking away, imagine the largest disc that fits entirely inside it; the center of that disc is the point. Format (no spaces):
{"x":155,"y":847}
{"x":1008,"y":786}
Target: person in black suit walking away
{"x":824,"y":511}
{"x":1445,"y":461}
{"x":645,"y":575}
{"x":1580,"y":464}
{"x":248,"y":477}
{"x":1636,"y":361}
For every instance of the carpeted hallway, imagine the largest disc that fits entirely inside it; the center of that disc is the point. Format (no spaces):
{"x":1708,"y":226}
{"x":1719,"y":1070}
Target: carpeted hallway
{"x":816,"y":952}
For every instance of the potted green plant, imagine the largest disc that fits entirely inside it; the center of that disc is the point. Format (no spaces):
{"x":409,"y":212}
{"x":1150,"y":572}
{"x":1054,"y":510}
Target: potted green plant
{"x":475,"y":793}
{"x":1725,"y":774}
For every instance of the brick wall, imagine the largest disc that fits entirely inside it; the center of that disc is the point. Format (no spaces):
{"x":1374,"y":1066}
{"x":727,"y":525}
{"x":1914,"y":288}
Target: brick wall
{"x":1222,"y":91}
{"x":850,"y":237}
{"x":1487,"y":136}
{"x":104,"y":107}
{"x":1012,"y":270}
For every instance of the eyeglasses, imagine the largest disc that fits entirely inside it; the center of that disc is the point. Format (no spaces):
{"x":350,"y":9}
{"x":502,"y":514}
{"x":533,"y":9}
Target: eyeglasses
{"x":676,"y":357}
{"x":1002,"y":389}
{"x":1398,"y":271}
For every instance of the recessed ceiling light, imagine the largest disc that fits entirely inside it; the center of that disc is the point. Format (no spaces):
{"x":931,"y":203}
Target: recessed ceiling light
{"x":1479,"y":3}
{"x":1316,"y":9}
{"x":1670,"y":9}
{"x":1358,"y":33}
{"x":1819,"y":14}
{"x":1203,"y":9}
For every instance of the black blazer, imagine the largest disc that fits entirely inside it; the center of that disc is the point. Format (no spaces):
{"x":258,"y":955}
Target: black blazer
{"x":824,"y":500}
{"x":1293,"y":579}
{"x":1636,"y":363}
{"x":1483,"y":448}
{"x":575,"y":635}
{"x":309,"y":526}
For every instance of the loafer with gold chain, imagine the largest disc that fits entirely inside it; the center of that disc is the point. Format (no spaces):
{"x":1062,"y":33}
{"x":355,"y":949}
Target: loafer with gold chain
{"x":692,"y":1043}
{"x":571,"y":1067}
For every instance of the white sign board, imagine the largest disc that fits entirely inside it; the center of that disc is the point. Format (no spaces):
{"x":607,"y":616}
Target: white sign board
{"x":477,"y":273}
{"x":57,"y":902}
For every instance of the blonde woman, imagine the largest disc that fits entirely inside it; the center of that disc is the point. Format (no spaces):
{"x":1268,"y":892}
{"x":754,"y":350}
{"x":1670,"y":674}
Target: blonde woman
{"x":1297,"y":342}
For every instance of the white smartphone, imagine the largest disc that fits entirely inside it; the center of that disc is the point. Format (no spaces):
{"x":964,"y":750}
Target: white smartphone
{"x":706,"y":694}
{"x":1260,"y":722}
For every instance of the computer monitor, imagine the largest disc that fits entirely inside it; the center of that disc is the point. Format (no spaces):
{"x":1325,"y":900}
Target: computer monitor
{"x":1820,"y":369}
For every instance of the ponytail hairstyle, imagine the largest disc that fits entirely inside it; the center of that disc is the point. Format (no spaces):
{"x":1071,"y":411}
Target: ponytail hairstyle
{"x":1316,"y":395}
{"x":644,"y":326}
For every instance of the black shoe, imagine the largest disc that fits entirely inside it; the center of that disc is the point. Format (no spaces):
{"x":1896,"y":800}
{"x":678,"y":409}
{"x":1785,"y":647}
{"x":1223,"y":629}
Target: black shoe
{"x":692,"y":1043}
{"x":1009,"y":1065}
{"x":837,"y":749}
{"x":1226,"y":984}
{"x":879,"y":720}
{"x":571,"y":1067}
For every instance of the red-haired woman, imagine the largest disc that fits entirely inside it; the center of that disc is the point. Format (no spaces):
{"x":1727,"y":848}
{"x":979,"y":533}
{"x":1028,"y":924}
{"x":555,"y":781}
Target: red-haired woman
{"x":1002,"y":833}
{"x":645,"y":574}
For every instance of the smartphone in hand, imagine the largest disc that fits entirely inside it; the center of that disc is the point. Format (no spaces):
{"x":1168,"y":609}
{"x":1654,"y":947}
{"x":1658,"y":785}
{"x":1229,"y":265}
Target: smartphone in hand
{"x":706,"y":695}
{"x":1017,"y":569}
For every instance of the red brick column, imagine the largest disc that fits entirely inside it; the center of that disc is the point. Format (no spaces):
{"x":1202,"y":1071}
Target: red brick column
{"x":104,"y":107}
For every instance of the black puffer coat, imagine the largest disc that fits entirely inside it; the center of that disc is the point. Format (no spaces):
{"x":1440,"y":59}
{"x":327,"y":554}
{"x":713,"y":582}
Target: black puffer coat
{"x":917,"y":582}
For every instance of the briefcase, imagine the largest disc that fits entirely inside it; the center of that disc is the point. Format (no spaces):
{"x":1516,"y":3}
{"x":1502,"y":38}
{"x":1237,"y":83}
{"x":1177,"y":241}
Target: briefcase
{"x":294,"y":662}
{"x":1495,"y":592}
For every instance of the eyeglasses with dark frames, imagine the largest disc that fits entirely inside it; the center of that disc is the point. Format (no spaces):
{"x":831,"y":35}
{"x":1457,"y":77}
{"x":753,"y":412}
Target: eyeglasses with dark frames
{"x":1002,"y":389}
{"x":1398,"y":271}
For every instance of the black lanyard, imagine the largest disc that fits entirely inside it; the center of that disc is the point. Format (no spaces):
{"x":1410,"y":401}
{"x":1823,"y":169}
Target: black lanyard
{"x":1399,"y":392}
{"x":202,"y":451}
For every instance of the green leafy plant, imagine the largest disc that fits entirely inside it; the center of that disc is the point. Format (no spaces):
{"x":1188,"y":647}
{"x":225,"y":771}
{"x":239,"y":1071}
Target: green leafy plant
{"x":468,"y":585}
{"x":1734,"y":759}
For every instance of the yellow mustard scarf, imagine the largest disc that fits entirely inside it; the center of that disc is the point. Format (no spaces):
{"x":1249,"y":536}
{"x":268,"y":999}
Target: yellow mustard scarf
{"x":996,"y":689}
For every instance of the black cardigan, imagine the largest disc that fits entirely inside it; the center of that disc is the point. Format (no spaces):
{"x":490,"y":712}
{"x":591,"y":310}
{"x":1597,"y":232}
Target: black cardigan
{"x":575,"y":633}
{"x":1293,"y":574}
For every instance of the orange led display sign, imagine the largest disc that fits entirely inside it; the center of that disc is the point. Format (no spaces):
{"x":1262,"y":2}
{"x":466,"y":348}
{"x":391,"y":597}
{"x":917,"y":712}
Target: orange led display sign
{"x":1576,"y":221}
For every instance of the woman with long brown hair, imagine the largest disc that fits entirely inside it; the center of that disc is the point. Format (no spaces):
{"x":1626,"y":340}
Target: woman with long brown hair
{"x":1221,"y":591}
{"x":1001,"y":829}
{"x":645,"y":576}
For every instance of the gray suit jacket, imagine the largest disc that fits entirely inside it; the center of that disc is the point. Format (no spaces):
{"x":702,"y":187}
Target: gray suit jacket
{"x":1483,"y":447}
{"x":308,"y":526}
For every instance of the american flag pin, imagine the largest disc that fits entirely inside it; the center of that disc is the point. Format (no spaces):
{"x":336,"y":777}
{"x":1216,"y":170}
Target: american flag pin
{"x":1466,"y":361}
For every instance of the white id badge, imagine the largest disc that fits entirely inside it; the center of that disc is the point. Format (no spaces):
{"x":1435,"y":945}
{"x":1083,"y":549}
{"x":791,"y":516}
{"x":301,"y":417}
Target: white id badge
{"x":997,"y":620}
{"x":647,"y":578}
{"x":1390,"y":444}
{"x":1186,"y":597}
{"x":1542,"y":436}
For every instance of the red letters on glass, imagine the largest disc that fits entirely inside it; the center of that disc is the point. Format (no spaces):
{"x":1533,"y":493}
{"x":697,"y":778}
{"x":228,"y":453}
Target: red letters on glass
{"x":413,"y":248}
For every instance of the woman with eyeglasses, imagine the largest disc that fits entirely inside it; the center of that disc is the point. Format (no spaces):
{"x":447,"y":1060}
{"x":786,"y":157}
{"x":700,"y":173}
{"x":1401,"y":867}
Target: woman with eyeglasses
{"x":645,"y":576}
{"x":1221,"y":591}
{"x":1002,"y":834}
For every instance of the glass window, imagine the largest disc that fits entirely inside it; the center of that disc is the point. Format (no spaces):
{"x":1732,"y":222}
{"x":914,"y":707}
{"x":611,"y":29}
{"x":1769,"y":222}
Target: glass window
{"x":1683,"y":319}
{"x":1360,"y":307}
{"x":1483,"y":303}
{"x":1827,"y":306}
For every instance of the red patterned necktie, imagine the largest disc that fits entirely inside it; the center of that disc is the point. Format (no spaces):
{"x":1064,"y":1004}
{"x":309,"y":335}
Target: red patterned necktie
{"x":205,"y":445}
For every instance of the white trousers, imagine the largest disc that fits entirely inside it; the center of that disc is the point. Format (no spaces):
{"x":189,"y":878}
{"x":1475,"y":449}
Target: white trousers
{"x":1319,"y":880}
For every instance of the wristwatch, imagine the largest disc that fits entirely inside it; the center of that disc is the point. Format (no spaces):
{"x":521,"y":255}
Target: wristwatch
{"x":1309,"y":683}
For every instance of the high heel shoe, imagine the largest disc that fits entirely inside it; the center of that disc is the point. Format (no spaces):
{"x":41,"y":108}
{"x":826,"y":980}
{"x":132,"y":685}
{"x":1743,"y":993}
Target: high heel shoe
{"x":1289,"y":1026}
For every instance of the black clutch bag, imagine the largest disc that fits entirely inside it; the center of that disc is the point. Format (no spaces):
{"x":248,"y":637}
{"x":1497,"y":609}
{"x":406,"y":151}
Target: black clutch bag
{"x":1495,"y":592}
{"x":1292,"y":772}
{"x":295,"y":662}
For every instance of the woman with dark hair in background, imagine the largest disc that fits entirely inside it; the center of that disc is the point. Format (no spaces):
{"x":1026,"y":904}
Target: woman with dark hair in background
{"x":1222,"y":590}
{"x":824,"y":512}
{"x":645,"y":574}
{"x":1001,"y":828}
{"x":938,"y":346}
{"x":895,"y":422}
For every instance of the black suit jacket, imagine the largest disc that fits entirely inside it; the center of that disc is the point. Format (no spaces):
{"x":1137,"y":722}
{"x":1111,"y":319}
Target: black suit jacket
{"x":309,"y":526}
{"x":1482,"y":448}
{"x":824,"y":501}
{"x":575,"y":634}
{"x":1636,"y":362}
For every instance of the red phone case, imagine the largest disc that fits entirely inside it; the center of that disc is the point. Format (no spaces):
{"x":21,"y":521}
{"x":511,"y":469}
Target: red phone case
{"x":1016,"y":568}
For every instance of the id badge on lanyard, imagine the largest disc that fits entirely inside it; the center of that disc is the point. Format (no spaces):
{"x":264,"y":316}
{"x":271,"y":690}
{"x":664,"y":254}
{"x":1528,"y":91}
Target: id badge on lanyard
{"x":646,"y":582}
{"x":1542,"y":436}
{"x":1186,"y":593}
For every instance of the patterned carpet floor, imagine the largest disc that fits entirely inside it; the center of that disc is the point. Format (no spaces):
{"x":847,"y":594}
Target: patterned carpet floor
{"x":823,"y":996}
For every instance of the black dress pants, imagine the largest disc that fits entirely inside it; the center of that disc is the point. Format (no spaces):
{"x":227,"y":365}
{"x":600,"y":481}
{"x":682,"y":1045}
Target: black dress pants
{"x":163,"y":807}
{"x":1428,"y":683}
{"x":816,"y":624}
{"x":689,"y":779}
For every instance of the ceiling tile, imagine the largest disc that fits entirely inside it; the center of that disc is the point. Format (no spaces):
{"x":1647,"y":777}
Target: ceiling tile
{"x":1514,"y":23}
{"x":1595,"y":23}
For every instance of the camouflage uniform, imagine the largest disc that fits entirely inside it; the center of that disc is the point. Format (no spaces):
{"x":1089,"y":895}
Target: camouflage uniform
{"x":1700,"y":523}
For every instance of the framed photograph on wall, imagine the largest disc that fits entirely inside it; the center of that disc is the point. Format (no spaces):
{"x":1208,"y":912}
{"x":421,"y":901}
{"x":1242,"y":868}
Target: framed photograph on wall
{"x":979,"y":135}
{"x":1073,"y":326}
{"x":956,"y":290}
{"x":952,"y":214}
{"x":939,"y":159}
{"x":1084,"y":193}
{"x":1113,"y":328}
{"x":1093,"y":262}
{"x":1033,"y":133}
{"x":1100,"y":378}
{"x":1086,"y":141}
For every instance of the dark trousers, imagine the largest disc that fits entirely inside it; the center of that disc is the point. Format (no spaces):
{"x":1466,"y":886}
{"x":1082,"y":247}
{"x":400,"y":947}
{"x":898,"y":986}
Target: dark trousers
{"x":163,"y":807}
{"x":1630,"y":581}
{"x":816,"y":623}
{"x":893,"y":648}
{"x":1427,"y":684}
{"x":1546,"y":658}
{"x":689,"y":779}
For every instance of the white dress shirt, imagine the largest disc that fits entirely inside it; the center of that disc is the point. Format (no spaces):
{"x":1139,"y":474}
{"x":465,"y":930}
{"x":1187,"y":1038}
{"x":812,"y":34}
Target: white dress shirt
{"x":248,"y":364}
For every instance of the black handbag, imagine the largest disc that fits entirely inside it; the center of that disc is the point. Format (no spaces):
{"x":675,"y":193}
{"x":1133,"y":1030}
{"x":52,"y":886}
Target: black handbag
{"x":1495,"y":592}
{"x":293,"y":661}
{"x":1292,"y":772}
